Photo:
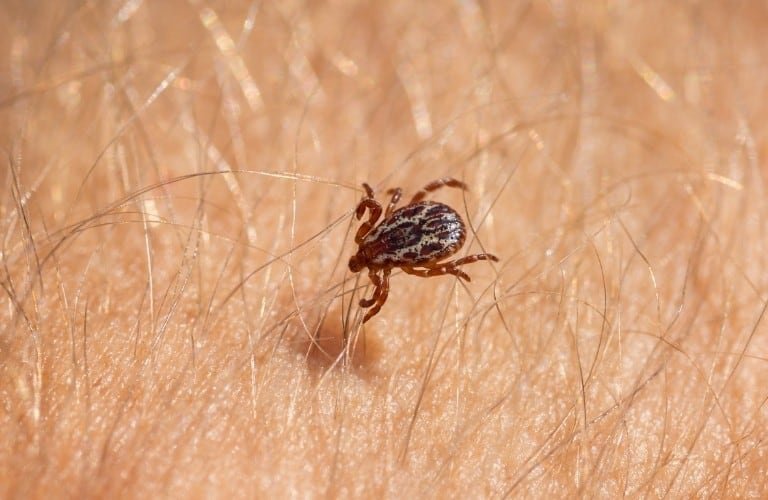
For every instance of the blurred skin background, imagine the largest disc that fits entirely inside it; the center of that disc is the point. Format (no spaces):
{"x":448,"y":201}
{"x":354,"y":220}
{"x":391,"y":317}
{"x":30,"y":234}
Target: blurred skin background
{"x":179,"y":180}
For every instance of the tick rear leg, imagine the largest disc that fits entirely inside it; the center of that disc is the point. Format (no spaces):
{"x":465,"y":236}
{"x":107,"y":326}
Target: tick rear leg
{"x":396,"y":194}
{"x":437,"y":271}
{"x":437,"y":184}
{"x":383,"y":293}
{"x":469,"y":259}
{"x":453,"y":265}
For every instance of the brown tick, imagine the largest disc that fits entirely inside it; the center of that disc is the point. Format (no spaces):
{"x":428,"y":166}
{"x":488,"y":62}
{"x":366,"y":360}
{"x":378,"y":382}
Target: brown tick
{"x":414,"y":238}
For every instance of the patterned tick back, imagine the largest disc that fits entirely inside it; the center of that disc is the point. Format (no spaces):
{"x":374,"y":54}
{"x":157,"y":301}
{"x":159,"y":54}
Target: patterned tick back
{"x":415,"y":234}
{"x":415,"y":238}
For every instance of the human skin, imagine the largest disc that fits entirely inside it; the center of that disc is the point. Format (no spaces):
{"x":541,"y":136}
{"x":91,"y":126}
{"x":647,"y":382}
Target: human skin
{"x":180,"y":180}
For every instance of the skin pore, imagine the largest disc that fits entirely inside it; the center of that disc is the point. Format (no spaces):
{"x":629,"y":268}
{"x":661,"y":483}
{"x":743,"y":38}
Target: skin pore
{"x":180,"y":180}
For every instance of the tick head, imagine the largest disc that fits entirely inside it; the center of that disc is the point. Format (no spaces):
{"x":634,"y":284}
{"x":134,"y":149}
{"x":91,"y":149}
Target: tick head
{"x":356,"y":263}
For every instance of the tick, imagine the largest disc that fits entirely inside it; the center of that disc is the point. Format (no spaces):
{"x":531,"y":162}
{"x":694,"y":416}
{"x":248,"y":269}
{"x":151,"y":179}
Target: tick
{"x":416,"y":238}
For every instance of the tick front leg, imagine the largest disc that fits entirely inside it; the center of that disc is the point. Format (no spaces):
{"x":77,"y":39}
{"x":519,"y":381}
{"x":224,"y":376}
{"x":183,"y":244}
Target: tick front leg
{"x":365,"y":227}
{"x":368,"y":190}
{"x":382,"y":296}
{"x":437,"y":184}
{"x":396,"y":194}
{"x":376,"y":291}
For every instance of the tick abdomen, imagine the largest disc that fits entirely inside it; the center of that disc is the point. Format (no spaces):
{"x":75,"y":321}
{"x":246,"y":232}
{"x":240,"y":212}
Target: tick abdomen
{"x":415,"y":238}
{"x":422,"y":232}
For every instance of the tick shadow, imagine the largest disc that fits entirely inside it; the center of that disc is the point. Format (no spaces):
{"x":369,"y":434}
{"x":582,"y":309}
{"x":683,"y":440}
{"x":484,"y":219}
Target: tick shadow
{"x":334,"y":348}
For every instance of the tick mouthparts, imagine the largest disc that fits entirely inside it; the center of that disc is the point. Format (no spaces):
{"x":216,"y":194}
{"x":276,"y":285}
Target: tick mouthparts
{"x":355,"y":264}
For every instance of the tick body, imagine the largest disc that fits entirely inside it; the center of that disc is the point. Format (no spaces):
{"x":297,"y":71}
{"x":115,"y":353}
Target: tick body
{"x":415,"y":238}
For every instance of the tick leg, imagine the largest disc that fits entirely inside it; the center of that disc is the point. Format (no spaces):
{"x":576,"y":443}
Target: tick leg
{"x":383,"y":294}
{"x":470,"y":259}
{"x":437,"y":271}
{"x":376,"y":292}
{"x":452,"y":267}
{"x":437,"y":184}
{"x":365,"y":227}
{"x":396,"y":194}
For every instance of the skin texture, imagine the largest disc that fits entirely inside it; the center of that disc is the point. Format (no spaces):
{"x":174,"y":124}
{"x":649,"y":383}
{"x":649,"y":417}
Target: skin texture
{"x":178,"y":210}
